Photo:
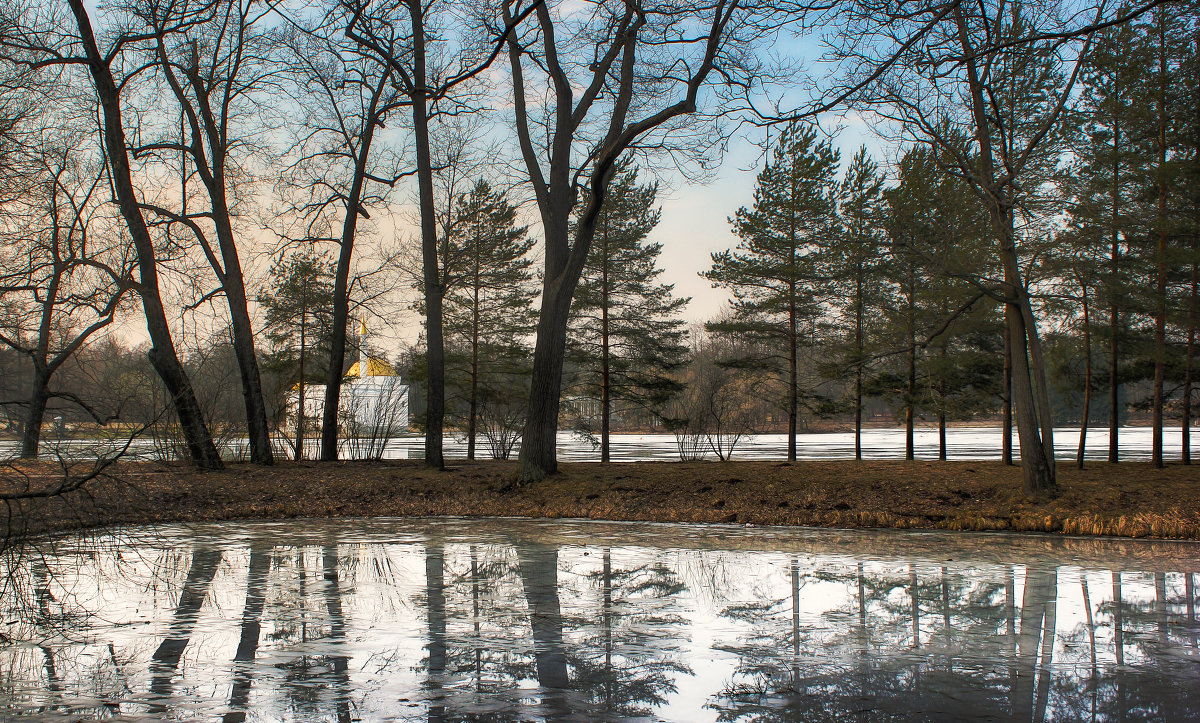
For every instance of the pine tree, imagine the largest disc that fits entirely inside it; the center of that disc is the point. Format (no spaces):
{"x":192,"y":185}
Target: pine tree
{"x":625,"y":333}
{"x":854,"y":266}
{"x":1102,"y":190}
{"x":488,"y":308}
{"x":772,"y":273}
{"x":299,"y":317}
{"x":938,"y":237}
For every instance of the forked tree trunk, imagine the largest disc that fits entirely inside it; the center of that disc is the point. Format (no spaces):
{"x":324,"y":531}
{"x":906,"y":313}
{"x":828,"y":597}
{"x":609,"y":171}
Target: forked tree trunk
{"x":162,"y":354}
{"x":209,"y":132}
{"x":1035,"y":431}
{"x":234,"y":285}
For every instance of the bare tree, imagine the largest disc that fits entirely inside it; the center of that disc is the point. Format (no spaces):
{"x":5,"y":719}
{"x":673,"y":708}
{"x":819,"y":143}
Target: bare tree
{"x":64,"y":274}
{"x":53,"y":44}
{"x":428,"y":68}
{"x":343,"y":165}
{"x":215,"y":60}
{"x":588,"y":86}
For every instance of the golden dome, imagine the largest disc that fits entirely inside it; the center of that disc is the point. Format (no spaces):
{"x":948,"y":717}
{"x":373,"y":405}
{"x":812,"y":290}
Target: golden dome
{"x":375,"y":368}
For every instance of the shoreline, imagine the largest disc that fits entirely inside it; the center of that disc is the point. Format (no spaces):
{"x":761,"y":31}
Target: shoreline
{"x":1130,"y":499}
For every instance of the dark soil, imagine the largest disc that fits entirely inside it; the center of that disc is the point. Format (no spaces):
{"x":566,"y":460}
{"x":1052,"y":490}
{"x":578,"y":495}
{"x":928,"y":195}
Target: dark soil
{"x":1129,"y":499}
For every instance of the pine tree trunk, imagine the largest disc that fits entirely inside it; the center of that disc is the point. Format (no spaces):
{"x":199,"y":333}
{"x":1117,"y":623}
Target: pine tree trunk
{"x":162,"y":354}
{"x":1087,"y":381}
{"x":858,"y":366}
{"x":473,"y":404}
{"x":1189,"y":362}
{"x":942,"y":408}
{"x":910,"y":392}
{"x":303,"y":384}
{"x":605,"y":361}
{"x":1006,"y":453}
{"x":793,"y":381}
{"x":1114,"y":380}
{"x":1160,"y":285}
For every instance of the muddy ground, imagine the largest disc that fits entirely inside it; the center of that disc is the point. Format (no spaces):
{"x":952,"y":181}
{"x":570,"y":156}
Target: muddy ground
{"x":1129,"y":499}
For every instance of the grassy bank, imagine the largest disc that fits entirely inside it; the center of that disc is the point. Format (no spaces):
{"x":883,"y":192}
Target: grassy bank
{"x":1130,"y":499}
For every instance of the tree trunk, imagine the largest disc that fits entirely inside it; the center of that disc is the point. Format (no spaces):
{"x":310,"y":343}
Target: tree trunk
{"x":793,"y":392}
{"x":35,"y":413}
{"x":941,"y":390}
{"x":942,"y":415}
{"x":233,"y":283}
{"x":257,"y":427}
{"x":605,"y":361}
{"x":210,"y":130}
{"x":1030,"y":393}
{"x":473,"y":402}
{"x":538,"y":454}
{"x":858,"y":365}
{"x":1087,"y":381}
{"x":1189,"y":361}
{"x":1160,"y":285}
{"x":435,"y":377}
{"x":910,"y":393}
{"x":300,"y":389}
{"x":1006,"y":452}
{"x":341,"y":279}
{"x":1114,"y":377}
{"x":162,"y":354}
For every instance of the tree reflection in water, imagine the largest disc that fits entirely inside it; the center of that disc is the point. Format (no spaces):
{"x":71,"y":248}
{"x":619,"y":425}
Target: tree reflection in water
{"x":984,"y":663}
{"x":507,"y":621}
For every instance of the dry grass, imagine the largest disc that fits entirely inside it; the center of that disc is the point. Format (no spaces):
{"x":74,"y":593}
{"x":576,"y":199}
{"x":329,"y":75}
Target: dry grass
{"x":1128,"y":500}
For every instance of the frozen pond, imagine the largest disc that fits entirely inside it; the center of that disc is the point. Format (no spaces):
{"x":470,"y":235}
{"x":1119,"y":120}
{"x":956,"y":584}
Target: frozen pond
{"x":508,"y":620}
{"x":961,"y":443}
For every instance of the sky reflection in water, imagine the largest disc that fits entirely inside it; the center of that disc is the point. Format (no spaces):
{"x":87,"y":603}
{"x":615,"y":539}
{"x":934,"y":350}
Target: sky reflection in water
{"x":507,"y":620}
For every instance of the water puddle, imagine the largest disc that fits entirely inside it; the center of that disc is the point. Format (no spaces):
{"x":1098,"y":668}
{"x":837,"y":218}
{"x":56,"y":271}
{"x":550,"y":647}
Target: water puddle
{"x":512,"y":620}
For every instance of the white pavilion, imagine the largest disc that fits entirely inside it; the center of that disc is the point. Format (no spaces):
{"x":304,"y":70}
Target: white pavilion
{"x":373,"y":395}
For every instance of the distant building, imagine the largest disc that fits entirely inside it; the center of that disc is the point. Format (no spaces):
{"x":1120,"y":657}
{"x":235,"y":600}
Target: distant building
{"x":374,"y":398}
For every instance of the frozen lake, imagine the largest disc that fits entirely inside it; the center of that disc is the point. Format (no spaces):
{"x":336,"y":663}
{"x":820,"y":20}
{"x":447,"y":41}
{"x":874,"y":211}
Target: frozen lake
{"x":508,"y":620}
{"x":962,"y":443}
